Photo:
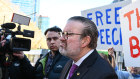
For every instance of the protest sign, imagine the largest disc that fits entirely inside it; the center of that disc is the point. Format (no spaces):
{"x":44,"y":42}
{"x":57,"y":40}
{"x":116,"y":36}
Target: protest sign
{"x":107,"y":21}
{"x":130,"y":25}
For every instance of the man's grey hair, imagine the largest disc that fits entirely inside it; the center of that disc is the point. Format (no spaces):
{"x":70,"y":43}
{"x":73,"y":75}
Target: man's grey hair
{"x":90,"y":29}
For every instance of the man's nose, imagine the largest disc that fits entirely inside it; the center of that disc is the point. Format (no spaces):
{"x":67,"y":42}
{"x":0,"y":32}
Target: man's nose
{"x":52,"y":40}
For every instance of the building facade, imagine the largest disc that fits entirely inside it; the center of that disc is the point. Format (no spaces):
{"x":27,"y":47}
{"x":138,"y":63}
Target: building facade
{"x":31,"y":9}
{"x":43,"y":23}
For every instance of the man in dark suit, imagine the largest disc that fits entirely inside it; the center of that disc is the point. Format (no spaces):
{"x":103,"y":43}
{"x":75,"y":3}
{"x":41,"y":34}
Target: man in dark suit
{"x":79,"y":42}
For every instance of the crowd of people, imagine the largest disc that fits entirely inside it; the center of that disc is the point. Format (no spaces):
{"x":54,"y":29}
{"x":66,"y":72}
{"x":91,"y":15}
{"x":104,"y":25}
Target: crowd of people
{"x":130,"y":73}
{"x":72,"y":55}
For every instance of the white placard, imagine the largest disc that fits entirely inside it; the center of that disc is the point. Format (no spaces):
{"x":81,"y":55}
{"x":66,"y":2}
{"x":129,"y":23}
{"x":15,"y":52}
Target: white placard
{"x":130,"y":24}
{"x":107,"y":21}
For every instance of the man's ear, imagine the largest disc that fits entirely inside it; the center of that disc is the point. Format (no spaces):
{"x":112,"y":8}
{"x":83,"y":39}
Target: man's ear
{"x":85,"y":41}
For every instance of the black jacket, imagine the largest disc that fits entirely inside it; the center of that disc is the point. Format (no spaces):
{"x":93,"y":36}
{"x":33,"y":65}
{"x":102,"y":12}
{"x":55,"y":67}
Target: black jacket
{"x":13,"y":70}
{"x":58,"y":64}
{"x":36,"y":72}
{"x":93,"y":67}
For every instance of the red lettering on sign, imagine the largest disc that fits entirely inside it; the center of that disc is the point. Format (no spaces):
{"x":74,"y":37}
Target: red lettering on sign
{"x":138,"y":17}
{"x":128,"y":15}
{"x":134,"y":46}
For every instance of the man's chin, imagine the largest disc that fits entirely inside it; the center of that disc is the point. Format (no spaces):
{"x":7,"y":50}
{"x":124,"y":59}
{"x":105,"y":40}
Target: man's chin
{"x":62,"y":52}
{"x":54,"y":49}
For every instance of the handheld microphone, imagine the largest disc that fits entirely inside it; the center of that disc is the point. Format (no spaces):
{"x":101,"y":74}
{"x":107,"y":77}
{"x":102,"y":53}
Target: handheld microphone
{"x":8,"y":25}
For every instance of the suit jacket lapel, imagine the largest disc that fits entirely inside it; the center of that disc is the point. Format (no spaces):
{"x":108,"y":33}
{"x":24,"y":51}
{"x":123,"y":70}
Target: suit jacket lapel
{"x":79,"y":72}
{"x":83,"y":68}
{"x":66,"y":70}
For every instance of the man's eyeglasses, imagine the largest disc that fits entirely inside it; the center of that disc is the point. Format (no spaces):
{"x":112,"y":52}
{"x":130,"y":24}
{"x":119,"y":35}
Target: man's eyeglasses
{"x":65,"y":35}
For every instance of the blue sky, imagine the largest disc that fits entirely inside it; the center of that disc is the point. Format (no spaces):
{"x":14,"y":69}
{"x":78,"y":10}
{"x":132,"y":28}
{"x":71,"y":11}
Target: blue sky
{"x":60,"y":10}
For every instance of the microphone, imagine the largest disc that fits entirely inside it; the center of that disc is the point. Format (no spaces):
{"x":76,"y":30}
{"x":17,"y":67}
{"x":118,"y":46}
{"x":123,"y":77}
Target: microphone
{"x":8,"y":25}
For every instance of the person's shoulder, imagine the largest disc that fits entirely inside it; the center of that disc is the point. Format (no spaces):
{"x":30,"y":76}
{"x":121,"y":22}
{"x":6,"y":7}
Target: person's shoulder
{"x":64,"y":58}
{"x":102,"y":65}
{"x":43,"y":58}
{"x":44,"y":55}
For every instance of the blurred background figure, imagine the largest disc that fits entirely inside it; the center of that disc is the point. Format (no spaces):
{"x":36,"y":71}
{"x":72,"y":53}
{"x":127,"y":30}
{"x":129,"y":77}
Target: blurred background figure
{"x":134,"y":72}
{"x":111,"y":56}
{"x":131,"y":73}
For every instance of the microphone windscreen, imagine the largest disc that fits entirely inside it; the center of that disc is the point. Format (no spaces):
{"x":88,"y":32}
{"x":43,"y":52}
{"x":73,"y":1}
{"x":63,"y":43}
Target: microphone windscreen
{"x":8,"y":25}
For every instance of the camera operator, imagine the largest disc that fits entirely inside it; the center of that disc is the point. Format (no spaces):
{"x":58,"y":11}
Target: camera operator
{"x":11,"y":63}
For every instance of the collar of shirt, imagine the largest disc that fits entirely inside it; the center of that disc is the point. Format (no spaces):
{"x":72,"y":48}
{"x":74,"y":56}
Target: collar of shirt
{"x":83,"y":58}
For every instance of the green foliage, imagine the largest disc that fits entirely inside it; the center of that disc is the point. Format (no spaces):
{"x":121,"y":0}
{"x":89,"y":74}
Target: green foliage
{"x":105,"y":52}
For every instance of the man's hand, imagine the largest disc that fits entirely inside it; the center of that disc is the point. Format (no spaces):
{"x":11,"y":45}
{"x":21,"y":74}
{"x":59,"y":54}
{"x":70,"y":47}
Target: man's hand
{"x":19,"y":54}
{"x":2,"y":43}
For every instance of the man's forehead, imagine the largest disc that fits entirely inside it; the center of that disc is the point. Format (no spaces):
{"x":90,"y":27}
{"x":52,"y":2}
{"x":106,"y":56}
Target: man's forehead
{"x":52,"y":34}
{"x":72,"y":30}
{"x":73,"y":26}
{"x":52,"y":37}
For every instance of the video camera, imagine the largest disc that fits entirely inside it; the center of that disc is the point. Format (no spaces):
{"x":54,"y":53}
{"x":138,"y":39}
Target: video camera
{"x":15,"y":43}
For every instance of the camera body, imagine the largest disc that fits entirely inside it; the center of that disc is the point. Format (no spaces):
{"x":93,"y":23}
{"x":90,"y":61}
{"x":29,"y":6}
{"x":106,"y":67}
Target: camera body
{"x":14,"y":43}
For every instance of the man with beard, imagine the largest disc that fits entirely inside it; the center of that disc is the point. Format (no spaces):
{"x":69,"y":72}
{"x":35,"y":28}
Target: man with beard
{"x":78,"y":42}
